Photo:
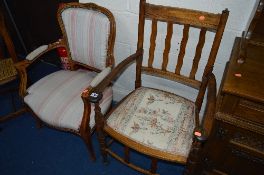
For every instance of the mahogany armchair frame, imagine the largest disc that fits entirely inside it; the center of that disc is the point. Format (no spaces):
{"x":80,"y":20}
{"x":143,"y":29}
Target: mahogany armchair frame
{"x":85,"y":130}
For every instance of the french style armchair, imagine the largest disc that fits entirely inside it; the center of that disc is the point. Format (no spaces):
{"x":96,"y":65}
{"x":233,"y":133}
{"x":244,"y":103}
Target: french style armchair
{"x":155,"y":122}
{"x":59,"y":100}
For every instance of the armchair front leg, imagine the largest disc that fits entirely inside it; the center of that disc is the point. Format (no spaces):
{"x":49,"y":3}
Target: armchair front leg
{"x":193,"y":161}
{"x":22,"y":73}
{"x":202,"y":130}
{"x":99,"y":120}
{"x":85,"y":129}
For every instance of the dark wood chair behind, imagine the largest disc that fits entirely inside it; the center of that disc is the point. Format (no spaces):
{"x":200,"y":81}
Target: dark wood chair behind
{"x":8,"y":72}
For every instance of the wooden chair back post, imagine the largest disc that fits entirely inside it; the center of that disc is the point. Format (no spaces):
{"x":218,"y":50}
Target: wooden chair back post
{"x":111,"y":36}
{"x":187,"y":18}
{"x":7,"y":40}
{"x":216,"y":43}
{"x":211,"y":60}
{"x":141,"y":26}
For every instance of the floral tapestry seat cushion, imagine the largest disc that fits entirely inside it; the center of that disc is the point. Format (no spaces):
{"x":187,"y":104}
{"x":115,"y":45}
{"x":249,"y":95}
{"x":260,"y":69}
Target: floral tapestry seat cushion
{"x":56,"y":98}
{"x":157,"y":119}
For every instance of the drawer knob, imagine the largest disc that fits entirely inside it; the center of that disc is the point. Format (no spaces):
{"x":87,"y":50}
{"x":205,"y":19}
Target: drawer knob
{"x":239,"y":75}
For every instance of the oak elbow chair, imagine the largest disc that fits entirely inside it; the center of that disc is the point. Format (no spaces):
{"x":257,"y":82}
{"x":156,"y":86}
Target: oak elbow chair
{"x":59,"y":100}
{"x":8,"y":72}
{"x":154,"y":122}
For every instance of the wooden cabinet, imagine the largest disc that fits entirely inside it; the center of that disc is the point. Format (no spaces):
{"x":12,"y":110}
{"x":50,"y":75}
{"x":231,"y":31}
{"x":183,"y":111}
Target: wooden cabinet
{"x":236,"y":146}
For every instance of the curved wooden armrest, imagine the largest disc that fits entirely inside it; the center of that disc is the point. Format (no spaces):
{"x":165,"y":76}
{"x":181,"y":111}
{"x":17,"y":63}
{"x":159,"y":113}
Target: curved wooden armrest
{"x":96,"y":80}
{"x":22,"y":65}
{"x":114,"y":73}
{"x":203,"y":130}
{"x":99,"y":77}
{"x":22,"y":73}
{"x":85,"y":94}
{"x":208,"y":119}
{"x":37,"y":53}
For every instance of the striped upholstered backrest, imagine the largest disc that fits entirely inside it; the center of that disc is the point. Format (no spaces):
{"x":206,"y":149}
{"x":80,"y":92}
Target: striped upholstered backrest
{"x":87,"y":34}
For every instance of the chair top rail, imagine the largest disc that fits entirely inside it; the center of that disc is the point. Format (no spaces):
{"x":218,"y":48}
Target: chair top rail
{"x":182,"y":16}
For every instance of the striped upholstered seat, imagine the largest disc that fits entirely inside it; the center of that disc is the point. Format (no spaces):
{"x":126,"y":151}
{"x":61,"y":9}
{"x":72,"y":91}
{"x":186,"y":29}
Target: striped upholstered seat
{"x":56,"y":98}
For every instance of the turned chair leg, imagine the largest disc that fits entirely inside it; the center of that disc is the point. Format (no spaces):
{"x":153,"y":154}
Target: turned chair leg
{"x":87,"y":139}
{"x":99,"y":120}
{"x":193,"y":161}
{"x":102,"y":143}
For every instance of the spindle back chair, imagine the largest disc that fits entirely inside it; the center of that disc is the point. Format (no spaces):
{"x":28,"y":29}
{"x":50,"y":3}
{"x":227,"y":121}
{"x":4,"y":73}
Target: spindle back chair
{"x":154,"y":122}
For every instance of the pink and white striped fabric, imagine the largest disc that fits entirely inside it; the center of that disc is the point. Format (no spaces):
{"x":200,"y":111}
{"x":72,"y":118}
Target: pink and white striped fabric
{"x":87,"y":33}
{"x":56,"y":98}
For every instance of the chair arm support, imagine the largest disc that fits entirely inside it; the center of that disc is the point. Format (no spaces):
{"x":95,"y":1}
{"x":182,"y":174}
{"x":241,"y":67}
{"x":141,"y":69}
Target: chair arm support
{"x":205,"y":126}
{"x":210,"y":105}
{"x":36,"y":52}
{"x":34,"y":55}
{"x":22,"y":73}
{"x":96,"y":92}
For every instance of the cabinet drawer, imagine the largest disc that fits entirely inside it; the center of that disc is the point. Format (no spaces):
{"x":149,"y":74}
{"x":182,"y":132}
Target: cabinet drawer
{"x":234,"y":151}
{"x":242,"y":162}
{"x":248,"y":144}
{"x":243,"y":139}
{"x":250,"y":111}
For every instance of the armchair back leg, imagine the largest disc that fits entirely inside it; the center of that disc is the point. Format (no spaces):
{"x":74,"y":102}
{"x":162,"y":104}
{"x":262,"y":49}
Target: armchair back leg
{"x":154,"y":165}
{"x":39,"y":123}
{"x":126,"y":158}
{"x":87,"y":139}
